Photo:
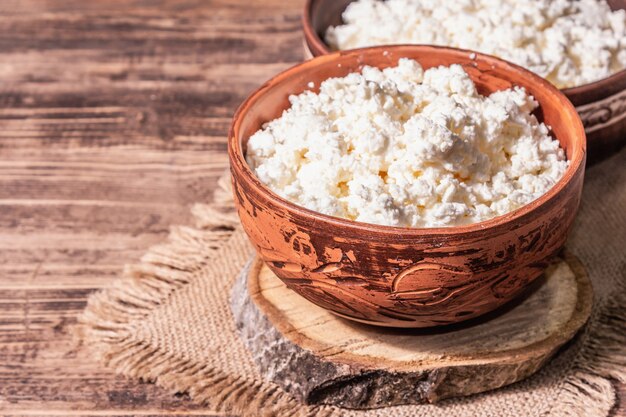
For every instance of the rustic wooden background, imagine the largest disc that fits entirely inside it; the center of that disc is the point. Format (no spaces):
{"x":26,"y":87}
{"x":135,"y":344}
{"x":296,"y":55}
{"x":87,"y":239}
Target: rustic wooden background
{"x":113,"y":121}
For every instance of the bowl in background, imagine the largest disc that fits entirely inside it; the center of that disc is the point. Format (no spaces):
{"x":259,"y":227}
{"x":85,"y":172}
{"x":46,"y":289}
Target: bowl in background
{"x":601,"y":104}
{"x":398,"y":276}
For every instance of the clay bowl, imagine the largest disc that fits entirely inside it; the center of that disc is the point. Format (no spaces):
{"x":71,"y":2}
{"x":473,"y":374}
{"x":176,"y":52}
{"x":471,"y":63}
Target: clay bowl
{"x":601,"y":105}
{"x":406,"y":277}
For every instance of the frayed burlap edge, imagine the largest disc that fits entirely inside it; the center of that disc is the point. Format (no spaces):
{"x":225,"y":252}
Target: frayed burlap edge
{"x":599,"y":361}
{"x":164,"y":269}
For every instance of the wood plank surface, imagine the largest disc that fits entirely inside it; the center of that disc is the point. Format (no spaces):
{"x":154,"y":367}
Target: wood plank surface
{"x":113,"y":121}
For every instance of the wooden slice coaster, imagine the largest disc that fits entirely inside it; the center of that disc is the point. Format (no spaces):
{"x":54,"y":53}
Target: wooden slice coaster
{"x":323,"y":359}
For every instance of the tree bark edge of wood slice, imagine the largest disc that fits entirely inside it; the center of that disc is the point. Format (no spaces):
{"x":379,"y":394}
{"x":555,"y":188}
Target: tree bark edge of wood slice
{"x":322,"y":359}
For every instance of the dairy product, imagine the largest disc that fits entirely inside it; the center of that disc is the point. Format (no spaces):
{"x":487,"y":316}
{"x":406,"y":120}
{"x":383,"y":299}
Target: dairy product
{"x":408,"y":147}
{"x":569,"y":42}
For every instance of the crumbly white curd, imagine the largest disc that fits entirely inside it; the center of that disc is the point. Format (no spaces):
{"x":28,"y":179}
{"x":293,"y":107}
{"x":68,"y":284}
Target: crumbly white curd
{"x":568,"y":42}
{"x":408,"y":147}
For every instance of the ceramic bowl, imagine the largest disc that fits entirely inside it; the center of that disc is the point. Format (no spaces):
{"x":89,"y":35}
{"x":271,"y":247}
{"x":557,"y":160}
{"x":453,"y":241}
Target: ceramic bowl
{"x":601,"y":105}
{"x":395,"y":276}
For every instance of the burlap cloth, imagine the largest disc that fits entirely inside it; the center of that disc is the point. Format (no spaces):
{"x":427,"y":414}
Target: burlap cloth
{"x":168,"y":321}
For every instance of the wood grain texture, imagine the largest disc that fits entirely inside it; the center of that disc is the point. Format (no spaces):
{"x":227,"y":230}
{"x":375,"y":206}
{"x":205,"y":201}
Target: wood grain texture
{"x":113,"y":120}
{"x":323,"y":359}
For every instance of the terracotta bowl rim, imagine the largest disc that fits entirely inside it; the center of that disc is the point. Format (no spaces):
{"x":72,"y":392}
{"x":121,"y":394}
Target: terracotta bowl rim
{"x":318,"y":44}
{"x":242,"y":171}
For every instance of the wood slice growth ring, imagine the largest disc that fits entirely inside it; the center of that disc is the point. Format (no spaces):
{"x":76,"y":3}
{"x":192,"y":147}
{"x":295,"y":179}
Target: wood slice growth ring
{"x":323,"y":359}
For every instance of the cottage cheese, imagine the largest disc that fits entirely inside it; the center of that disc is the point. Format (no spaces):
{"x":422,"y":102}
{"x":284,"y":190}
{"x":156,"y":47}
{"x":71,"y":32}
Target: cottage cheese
{"x":407,"y":147}
{"x":569,"y":42}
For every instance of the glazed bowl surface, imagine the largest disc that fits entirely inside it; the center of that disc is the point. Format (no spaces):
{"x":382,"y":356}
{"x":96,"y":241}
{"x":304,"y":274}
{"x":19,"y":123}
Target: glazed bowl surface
{"x":601,"y":104}
{"x":406,"y":277}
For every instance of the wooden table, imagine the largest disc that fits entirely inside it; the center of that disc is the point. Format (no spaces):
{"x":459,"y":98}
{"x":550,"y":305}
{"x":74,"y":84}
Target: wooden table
{"x":113,"y":121}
